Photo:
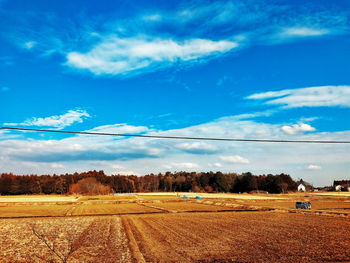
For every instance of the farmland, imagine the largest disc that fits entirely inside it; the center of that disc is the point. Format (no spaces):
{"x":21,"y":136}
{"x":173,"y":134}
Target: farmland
{"x":168,"y":228}
{"x":83,"y":239}
{"x":241,"y":237}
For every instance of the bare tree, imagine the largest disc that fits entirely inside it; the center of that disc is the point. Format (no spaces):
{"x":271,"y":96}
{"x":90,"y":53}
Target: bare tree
{"x":89,"y":186}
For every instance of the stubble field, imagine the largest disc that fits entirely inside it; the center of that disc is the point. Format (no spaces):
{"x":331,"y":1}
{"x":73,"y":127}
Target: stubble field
{"x":80,"y":239}
{"x":167,"y":228}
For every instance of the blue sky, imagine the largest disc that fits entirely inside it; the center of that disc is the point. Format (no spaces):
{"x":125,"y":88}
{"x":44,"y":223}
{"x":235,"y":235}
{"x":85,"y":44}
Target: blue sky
{"x":237,"y":69}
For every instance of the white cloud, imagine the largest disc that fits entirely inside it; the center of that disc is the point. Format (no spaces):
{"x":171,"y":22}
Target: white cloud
{"x":119,"y":56}
{"x":6,"y":134}
{"x":297,"y":128}
{"x":117,"y":166}
{"x":152,"y":17}
{"x":143,"y":42}
{"x":119,"y":169}
{"x":56,"y":121}
{"x":57,"y":165}
{"x":234,"y":159}
{"x":185,"y":165}
{"x":197,"y":147}
{"x":124,"y":172}
{"x":159,"y":38}
{"x":337,"y":96}
{"x":29,"y":44}
{"x":303,"y":32}
{"x":314,"y":167}
{"x":120,"y":128}
{"x":141,"y":155}
{"x":217,"y":164}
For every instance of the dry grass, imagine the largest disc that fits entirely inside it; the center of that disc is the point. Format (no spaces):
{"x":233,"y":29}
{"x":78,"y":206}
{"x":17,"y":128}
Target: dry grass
{"x":213,"y":195}
{"x":108,"y":197}
{"x":37,"y":198}
{"x":347,"y":194}
{"x":85,"y":239}
{"x":83,"y":208}
{"x":109,"y":209}
{"x":189,"y":206}
{"x":328,"y":203}
{"x":35,"y":210}
{"x":158,"y":197}
{"x":241,"y":237}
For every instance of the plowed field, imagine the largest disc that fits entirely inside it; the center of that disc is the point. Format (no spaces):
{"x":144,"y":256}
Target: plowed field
{"x":79,"y":239}
{"x":241,"y":237}
{"x":171,"y":229}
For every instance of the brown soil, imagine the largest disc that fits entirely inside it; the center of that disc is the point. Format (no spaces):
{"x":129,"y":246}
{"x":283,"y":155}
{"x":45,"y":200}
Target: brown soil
{"x":191,"y":206}
{"x":241,"y":237}
{"x":170,"y":231}
{"x":326,"y":204}
{"x":85,"y":239}
{"x":109,"y":209}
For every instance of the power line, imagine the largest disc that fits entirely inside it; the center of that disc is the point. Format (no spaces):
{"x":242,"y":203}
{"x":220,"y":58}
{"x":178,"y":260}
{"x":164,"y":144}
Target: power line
{"x":177,"y":137}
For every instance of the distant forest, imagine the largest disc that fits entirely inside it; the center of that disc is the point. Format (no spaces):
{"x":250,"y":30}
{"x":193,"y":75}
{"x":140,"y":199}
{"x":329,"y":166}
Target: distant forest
{"x":11,"y":184}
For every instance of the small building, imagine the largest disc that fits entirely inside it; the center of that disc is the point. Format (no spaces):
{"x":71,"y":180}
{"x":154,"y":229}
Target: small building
{"x":301,"y":188}
{"x":304,"y":186}
{"x":337,"y":188}
{"x":342,"y":185}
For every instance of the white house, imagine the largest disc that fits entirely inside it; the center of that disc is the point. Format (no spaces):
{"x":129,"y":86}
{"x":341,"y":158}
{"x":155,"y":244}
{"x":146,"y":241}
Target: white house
{"x":338,"y":188}
{"x":301,"y":188}
{"x":342,"y":185}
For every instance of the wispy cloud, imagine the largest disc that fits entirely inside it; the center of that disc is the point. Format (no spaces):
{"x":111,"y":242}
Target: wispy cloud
{"x":120,"y":56}
{"x":222,"y":80}
{"x":234,"y":159}
{"x":336,"y":96}
{"x":141,"y":155}
{"x":56,"y":121}
{"x":313,"y":167}
{"x":120,"y":128}
{"x":297,"y":128}
{"x":197,"y":148}
{"x":236,"y":23}
{"x":5,"y":135}
{"x":217,"y":165}
{"x":303,"y":32}
{"x":57,"y":165}
{"x":152,"y":17}
{"x":151,"y":40}
{"x":29,"y":45}
{"x":183,"y":166}
{"x":7,"y":60}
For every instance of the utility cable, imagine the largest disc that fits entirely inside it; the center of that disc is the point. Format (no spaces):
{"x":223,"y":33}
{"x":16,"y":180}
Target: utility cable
{"x":177,"y":137}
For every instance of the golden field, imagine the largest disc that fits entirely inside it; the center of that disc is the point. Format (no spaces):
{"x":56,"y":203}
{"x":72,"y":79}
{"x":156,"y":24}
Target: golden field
{"x":167,"y":228}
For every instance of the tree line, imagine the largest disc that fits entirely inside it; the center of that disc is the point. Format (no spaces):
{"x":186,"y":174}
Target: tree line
{"x":11,"y":184}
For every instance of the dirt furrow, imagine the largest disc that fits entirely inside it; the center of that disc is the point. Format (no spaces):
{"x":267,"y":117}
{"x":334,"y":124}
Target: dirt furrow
{"x":241,"y":237}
